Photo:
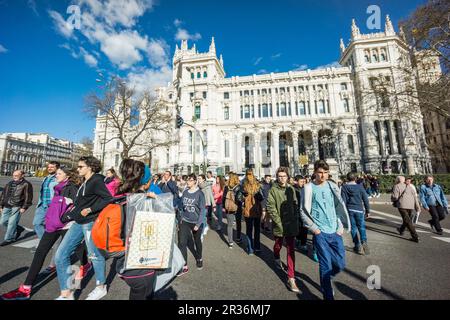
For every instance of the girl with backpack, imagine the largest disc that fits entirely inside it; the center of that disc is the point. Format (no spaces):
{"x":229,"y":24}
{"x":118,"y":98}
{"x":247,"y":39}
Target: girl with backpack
{"x":135,"y":176}
{"x":65,"y":192}
{"x":232,"y":203}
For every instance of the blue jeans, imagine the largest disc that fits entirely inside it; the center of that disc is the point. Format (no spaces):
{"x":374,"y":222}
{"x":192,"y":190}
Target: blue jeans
{"x":70,"y":242}
{"x":39,"y":220}
{"x":10,"y":220}
{"x":331,"y":254}
{"x":219,"y":215}
{"x":253,"y":243}
{"x":358,"y":225}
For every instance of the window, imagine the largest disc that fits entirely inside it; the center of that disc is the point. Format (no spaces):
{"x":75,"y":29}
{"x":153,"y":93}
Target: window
{"x":353,"y":167}
{"x":227,"y":148}
{"x":226,"y":113}
{"x":170,"y":96}
{"x":192,"y":75}
{"x":253,"y":112}
{"x":117,"y":160}
{"x":226,"y":95}
{"x":191,"y":95}
{"x":246,"y":93}
{"x":242,"y":112}
{"x":432,"y":127}
{"x":289,"y":109}
{"x":351,"y":145}
{"x":283,"y":111}
{"x":204,"y":94}
{"x":383,"y":57}
{"x":301,"y":107}
{"x":205,"y":74}
{"x":247,"y":112}
{"x":343,"y":86}
{"x":118,"y":145}
{"x":197,"y":111}
{"x":265,"y":110}
{"x":375,"y":56}
{"x":321,"y":107}
{"x":199,"y":75}
{"x":264,"y":92}
{"x":346,"y":105}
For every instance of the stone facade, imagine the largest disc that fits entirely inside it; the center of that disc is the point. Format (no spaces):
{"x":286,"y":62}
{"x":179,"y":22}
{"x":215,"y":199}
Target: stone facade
{"x":291,"y":118}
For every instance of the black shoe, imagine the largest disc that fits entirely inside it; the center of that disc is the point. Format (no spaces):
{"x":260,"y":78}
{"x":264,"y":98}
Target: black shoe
{"x":431,"y":225}
{"x":19,"y":232}
{"x":439,"y":233}
{"x":239,"y":240}
{"x":414,"y":239}
{"x":199,"y":264}
{"x":400,"y":231}
{"x":5,"y":243}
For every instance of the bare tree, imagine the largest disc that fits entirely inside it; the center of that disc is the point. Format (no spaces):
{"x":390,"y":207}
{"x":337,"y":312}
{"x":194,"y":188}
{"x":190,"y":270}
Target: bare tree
{"x":88,"y":145}
{"x":140,"y":121}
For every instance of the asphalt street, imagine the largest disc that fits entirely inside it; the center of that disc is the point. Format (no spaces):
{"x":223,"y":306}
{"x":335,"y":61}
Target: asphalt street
{"x":407,"y":270}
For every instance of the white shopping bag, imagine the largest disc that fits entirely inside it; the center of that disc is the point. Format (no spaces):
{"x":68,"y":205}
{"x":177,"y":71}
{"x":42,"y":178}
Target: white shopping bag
{"x":167,"y":275}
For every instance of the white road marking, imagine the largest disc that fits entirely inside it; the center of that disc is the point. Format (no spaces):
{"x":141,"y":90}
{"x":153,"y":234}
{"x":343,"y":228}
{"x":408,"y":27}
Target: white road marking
{"x":27,"y":244}
{"x":443,"y":239}
{"x":28,"y":229}
{"x":422,"y":231}
{"x":425,"y":225}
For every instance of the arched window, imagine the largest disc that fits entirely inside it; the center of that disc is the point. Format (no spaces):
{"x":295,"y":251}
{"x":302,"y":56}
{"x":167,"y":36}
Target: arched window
{"x":205,"y":74}
{"x":265,"y":110}
{"x":190,"y":142}
{"x":198,"y":75}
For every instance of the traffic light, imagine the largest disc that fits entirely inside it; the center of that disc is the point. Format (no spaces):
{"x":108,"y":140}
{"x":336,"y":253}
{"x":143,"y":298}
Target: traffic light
{"x":180,"y":121}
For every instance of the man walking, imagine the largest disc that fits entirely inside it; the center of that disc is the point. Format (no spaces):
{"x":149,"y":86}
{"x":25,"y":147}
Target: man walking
{"x":404,"y":197}
{"x":324,"y":213}
{"x":16,"y":198}
{"x":282,"y":207}
{"x":45,"y":197}
{"x":433,"y":199}
{"x":356,"y":201}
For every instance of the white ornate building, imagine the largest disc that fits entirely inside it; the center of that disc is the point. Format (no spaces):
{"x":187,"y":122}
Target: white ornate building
{"x":291,"y":118}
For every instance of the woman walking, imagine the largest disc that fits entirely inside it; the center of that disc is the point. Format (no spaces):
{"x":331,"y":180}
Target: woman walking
{"x":252,"y":211}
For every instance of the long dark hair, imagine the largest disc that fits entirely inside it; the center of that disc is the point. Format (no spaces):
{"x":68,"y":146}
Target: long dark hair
{"x":72,"y":175}
{"x":132,"y":172}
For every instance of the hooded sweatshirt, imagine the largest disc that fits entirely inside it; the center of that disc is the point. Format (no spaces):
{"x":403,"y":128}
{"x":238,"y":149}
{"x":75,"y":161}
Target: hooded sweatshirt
{"x":91,"y":194}
{"x":355,"y":198}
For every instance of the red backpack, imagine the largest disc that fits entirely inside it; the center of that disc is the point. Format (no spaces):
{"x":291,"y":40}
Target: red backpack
{"x":108,"y":231}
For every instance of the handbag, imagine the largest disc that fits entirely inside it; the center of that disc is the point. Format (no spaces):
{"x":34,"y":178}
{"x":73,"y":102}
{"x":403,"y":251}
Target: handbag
{"x":396,"y":203}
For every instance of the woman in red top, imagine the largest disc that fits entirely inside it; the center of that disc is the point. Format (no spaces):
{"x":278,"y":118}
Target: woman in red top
{"x":112,"y":182}
{"x":218,"y":194}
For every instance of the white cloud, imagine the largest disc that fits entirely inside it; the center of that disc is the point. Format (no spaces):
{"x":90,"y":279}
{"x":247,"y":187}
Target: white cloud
{"x":90,"y":59}
{"x":61,"y":25}
{"x":257,"y":61}
{"x":149,"y":79}
{"x":32,"y":5}
{"x":276,"y":56}
{"x":158,"y":53}
{"x":262,"y":71}
{"x":334,"y":64}
{"x":123,"y":48}
{"x":3,"y":49}
{"x":177,"y":22}
{"x":183,"y":34}
{"x":118,"y":12}
{"x":300,"y":67}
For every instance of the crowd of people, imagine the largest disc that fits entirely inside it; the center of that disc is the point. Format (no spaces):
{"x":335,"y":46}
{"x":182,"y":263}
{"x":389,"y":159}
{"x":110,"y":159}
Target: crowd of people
{"x":288,"y":208}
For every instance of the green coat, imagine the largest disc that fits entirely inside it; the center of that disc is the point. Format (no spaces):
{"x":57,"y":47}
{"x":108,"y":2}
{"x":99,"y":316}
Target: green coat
{"x":282,"y":207}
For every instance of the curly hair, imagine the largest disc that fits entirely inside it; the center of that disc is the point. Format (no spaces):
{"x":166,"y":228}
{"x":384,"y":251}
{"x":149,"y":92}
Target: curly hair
{"x":132,"y":172}
{"x":92,"y":162}
{"x":72,"y":175}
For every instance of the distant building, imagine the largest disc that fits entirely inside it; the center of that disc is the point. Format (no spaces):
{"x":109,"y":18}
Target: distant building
{"x":31,"y":152}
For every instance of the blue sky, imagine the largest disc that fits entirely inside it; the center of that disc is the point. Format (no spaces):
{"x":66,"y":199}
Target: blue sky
{"x":46,"y":69}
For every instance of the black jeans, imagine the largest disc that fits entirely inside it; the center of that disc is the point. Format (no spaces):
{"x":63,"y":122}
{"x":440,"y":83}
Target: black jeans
{"x":253,"y":243}
{"x":141,"y":288}
{"x":407,"y":222}
{"x":437,"y":214}
{"x":302,"y":235}
{"x":45,"y":245}
{"x":185,"y":234}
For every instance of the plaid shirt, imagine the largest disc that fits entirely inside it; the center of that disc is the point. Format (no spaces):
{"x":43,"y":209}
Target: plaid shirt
{"x":46,"y":196}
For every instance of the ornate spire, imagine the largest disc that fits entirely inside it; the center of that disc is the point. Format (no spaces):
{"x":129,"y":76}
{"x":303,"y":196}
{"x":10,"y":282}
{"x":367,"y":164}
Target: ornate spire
{"x":388,"y":27}
{"x":342,"y":45}
{"x":212,"y":47}
{"x":221,"y":60}
{"x":355,"y":30}
{"x":194,"y":48}
{"x":184,"y":45}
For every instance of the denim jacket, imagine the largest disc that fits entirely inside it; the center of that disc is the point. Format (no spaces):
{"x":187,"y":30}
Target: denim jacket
{"x":432,"y":196}
{"x":341,"y":210}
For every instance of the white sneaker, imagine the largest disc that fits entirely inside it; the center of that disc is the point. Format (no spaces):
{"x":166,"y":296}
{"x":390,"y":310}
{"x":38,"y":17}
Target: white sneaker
{"x":98,"y":293}
{"x":66,"y":298}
